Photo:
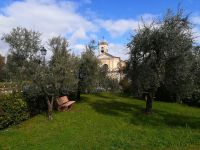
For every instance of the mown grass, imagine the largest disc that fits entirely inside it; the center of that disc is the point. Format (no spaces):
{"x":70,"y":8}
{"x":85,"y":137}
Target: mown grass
{"x":107,"y":121}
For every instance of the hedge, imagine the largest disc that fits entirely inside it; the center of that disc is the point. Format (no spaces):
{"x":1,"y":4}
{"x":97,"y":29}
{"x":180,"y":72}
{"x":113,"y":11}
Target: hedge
{"x":13,"y":110}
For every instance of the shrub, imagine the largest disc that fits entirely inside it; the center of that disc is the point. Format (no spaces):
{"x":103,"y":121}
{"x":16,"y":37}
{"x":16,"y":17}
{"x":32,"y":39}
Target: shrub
{"x":125,"y":85}
{"x":9,"y":87}
{"x":194,"y":100}
{"x":13,"y":110}
{"x":35,"y":103}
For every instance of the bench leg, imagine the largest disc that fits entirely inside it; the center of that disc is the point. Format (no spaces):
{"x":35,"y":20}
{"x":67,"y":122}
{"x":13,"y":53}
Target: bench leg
{"x":59,"y":109}
{"x":62,"y":108}
{"x":69,"y":107}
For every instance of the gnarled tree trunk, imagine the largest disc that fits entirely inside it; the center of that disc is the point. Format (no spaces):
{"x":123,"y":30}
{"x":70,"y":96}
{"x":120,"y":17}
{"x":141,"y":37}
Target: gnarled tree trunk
{"x":178,"y":99}
{"x":50,"y":107}
{"x":78,"y":96}
{"x":149,"y":103}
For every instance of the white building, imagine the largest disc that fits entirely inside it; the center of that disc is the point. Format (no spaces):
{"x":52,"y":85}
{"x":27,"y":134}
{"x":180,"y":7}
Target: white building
{"x":112,"y":63}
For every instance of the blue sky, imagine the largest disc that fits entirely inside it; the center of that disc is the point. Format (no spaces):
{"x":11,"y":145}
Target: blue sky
{"x":82,"y":20}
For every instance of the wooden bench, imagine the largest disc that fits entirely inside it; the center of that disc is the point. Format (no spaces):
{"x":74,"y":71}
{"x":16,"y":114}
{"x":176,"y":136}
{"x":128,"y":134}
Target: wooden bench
{"x":64,"y":103}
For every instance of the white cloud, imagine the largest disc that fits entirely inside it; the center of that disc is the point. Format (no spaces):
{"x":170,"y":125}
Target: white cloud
{"x":118,"y":50}
{"x":3,"y":48}
{"x":196,"y":20}
{"x":78,"y":48}
{"x":196,"y":32}
{"x":119,"y":27}
{"x":59,"y":17}
{"x":78,"y":34}
{"x":50,"y":17}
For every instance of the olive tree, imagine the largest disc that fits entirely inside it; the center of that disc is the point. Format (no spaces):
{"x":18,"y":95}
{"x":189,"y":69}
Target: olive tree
{"x":58,"y":76}
{"x":88,"y":69}
{"x":161,"y":53}
{"x":24,"y":45}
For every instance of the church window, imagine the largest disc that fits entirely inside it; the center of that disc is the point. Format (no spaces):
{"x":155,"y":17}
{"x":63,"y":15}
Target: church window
{"x":105,"y":67}
{"x":102,"y":50}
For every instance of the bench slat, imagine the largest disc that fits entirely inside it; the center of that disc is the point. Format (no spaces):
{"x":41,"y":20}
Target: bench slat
{"x":68,"y":103}
{"x":64,"y":102}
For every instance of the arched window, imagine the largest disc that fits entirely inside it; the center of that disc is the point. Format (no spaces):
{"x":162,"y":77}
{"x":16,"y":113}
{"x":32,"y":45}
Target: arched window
{"x":105,"y":67}
{"x":102,"y":49}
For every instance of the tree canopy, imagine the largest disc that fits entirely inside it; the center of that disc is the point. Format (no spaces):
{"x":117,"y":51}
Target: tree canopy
{"x":160,"y":53}
{"x":24,"y":45}
{"x":59,"y":76}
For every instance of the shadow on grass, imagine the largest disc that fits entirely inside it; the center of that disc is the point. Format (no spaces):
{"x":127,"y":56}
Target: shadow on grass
{"x":134,"y":114}
{"x":105,"y":95}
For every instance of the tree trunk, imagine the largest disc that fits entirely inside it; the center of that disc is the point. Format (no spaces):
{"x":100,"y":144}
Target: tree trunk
{"x":178,"y":99}
{"x":149,"y":102}
{"x":78,"y":96}
{"x":50,"y":108}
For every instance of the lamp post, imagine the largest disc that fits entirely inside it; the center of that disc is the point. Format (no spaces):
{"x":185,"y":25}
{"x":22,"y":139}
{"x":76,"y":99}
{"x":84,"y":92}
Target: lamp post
{"x":43,"y":53}
{"x":80,"y":78}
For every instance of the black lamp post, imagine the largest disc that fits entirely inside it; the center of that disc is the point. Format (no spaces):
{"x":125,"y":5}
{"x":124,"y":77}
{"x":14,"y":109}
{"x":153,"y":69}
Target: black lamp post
{"x":43,"y":53}
{"x":80,"y":78}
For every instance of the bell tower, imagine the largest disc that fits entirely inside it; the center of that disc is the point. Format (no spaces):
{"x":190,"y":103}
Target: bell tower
{"x":103,"y":47}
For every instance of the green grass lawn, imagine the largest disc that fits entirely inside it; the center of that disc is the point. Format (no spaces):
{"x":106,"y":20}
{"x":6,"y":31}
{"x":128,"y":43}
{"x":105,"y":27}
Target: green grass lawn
{"x":108,"y":122}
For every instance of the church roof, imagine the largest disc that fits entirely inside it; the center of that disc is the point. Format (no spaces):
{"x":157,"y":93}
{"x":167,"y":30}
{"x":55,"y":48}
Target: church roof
{"x":103,"y":43}
{"x":107,"y":54}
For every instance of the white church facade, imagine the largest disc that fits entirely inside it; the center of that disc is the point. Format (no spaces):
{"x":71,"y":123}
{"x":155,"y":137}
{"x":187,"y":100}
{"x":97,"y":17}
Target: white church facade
{"x":114,"y":64}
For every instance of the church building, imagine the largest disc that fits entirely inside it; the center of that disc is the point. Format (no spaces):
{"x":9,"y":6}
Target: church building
{"x":113,"y":64}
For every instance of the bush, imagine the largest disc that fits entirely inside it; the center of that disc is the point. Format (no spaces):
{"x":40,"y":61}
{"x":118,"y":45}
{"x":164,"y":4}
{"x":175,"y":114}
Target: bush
{"x":13,"y":110}
{"x":126,"y":86}
{"x":194,"y":100}
{"x":35,"y":103}
{"x":163,"y":94}
{"x":9,"y":86}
